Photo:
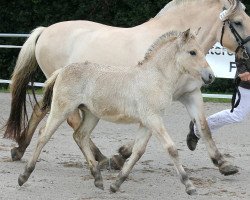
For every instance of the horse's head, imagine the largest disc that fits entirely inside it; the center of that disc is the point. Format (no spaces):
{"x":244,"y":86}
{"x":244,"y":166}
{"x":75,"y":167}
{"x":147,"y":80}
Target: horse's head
{"x":191,"y":58}
{"x":235,"y":30}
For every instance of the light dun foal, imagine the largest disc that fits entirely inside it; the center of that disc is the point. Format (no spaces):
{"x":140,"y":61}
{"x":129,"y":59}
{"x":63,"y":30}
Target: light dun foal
{"x":137,"y":94}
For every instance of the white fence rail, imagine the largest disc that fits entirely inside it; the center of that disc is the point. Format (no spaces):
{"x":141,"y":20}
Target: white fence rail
{"x":11,"y":35}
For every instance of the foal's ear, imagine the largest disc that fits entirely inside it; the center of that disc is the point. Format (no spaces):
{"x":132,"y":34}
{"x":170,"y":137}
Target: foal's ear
{"x":185,"y":36}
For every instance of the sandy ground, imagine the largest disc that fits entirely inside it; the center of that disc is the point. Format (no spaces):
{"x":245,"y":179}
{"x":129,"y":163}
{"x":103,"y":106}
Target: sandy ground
{"x":62,"y":172}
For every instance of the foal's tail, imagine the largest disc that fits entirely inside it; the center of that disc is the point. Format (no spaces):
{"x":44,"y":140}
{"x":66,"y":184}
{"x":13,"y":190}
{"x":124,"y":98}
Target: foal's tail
{"x":48,"y":90}
{"x":25,"y":69}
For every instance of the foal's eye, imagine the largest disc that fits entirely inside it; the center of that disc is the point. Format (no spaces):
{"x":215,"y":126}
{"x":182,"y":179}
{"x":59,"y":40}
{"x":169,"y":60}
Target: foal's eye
{"x":193,"y":53}
{"x":238,"y":23}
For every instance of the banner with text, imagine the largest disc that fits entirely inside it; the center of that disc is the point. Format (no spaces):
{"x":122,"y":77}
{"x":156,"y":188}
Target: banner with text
{"x":221,"y":61}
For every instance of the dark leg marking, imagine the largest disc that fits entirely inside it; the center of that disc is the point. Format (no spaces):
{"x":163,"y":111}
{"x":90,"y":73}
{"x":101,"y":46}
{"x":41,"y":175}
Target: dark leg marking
{"x":114,"y":187}
{"x":25,"y":176}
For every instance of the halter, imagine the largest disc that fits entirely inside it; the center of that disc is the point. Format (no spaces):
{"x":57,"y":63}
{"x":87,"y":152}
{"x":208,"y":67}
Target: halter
{"x":246,"y":56}
{"x":237,"y":36}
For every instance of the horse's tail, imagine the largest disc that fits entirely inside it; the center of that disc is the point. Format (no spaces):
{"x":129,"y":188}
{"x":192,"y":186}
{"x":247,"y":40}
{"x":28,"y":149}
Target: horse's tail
{"x":48,"y":90}
{"x":25,"y":69}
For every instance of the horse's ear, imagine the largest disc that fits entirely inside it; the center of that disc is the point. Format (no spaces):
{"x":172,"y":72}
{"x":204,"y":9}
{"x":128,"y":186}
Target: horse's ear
{"x":226,"y":13}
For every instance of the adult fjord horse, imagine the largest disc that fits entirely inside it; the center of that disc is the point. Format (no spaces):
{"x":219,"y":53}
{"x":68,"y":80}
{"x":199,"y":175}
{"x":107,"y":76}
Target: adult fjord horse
{"x":76,"y":41}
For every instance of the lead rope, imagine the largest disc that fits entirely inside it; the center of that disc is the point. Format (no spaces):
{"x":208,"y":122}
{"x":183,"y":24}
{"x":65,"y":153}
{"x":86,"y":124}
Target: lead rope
{"x":235,"y":93}
{"x":237,"y":79}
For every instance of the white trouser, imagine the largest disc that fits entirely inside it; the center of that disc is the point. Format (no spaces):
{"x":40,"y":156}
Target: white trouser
{"x":224,"y":117}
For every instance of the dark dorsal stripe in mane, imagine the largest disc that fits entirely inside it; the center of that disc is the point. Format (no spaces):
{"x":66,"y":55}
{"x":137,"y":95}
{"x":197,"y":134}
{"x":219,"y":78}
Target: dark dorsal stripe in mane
{"x":162,"y":40}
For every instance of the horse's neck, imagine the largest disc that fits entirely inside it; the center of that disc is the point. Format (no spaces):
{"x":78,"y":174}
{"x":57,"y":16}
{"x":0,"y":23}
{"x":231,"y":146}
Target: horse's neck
{"x":199,"y":14}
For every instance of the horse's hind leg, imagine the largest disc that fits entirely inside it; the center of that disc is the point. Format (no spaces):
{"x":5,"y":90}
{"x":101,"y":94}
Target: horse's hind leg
{"x":137,"y":151}
{"x":45,"y":134}
{"x":82,"y":138}
{"x":28,"y":132}
{"x":74,"y":120}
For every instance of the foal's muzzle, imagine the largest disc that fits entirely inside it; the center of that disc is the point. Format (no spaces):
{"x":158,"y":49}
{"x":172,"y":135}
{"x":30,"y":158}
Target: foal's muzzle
{"x":207,"y":76}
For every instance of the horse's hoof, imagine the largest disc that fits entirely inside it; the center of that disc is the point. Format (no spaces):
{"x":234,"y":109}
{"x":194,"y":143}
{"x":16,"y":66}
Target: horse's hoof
{"x":228,"y":169}
{"x":16,"y":154}
{"x":191,"y":191}
{"x":117,"y":162}
{"x":99,"y":184}
{"x":125,"y":150}
{"x":114,"y":163}
{"x":113,"y":188}
{"x":22,"y":179}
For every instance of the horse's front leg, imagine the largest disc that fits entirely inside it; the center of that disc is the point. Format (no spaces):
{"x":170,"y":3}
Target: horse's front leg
{"x":28,"y":132}
{"x":138,"y":150}
{"x":194,"y":104}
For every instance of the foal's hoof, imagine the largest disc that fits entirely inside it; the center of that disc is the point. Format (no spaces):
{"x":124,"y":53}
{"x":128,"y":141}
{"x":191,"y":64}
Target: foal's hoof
{"x":114,"y":188}
{"x":22,"y":179}
{"x":99,"y":184}
{"x":191,"y":191}
{"x":228,"y":169}
{"x":16,"y":154}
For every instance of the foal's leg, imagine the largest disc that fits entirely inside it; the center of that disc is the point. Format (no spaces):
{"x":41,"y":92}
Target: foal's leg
{"x":74,"y":120}
{"x":195,"y":107}
{"x":155,"y":123}
{"x":82,"y":138}
{"x":115,"y":162}
{"x":28,"y":132}
{"x":137,"y":151}
{"x":54,"y":120}
{"x":37,"y":115}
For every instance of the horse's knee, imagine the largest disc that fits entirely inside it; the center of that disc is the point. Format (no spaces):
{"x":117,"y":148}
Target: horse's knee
{"x":38,"y":111}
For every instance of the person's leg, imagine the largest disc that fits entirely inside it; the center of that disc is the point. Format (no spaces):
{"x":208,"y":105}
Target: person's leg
{"x":222,"y":118}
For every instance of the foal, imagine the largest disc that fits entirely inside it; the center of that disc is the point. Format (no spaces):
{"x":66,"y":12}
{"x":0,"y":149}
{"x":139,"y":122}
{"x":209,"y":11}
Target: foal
{"x":137,"y":94}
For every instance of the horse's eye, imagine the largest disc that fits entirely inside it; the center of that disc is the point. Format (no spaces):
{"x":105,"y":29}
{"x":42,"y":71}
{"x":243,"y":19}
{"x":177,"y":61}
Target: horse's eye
{"x":193,"y":53}
{"x":238,"y":23}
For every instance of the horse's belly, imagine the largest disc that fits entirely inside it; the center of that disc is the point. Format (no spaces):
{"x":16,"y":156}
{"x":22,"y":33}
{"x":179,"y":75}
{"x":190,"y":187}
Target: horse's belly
{"x":120,"y":119}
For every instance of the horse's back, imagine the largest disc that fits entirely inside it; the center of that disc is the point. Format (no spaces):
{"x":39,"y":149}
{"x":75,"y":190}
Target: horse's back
{"x":77,"y":41}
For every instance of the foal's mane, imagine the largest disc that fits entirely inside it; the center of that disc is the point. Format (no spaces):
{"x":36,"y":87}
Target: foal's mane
{"x":161,"y":41}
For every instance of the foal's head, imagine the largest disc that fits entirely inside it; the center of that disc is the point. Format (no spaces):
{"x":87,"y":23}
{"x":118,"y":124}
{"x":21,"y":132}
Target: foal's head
{"x":190,"y":58}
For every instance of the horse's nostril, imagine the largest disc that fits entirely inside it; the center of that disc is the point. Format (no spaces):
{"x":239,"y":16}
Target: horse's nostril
{"x":210,"y":76}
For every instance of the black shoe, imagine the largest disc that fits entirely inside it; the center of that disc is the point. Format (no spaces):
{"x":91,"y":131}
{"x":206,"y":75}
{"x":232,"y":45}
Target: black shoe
{"x":192,"y":139}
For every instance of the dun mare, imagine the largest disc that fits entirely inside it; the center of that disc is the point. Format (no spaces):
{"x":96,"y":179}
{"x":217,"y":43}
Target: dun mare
{"x":76,"y":41}
{"x":136,"y":94}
